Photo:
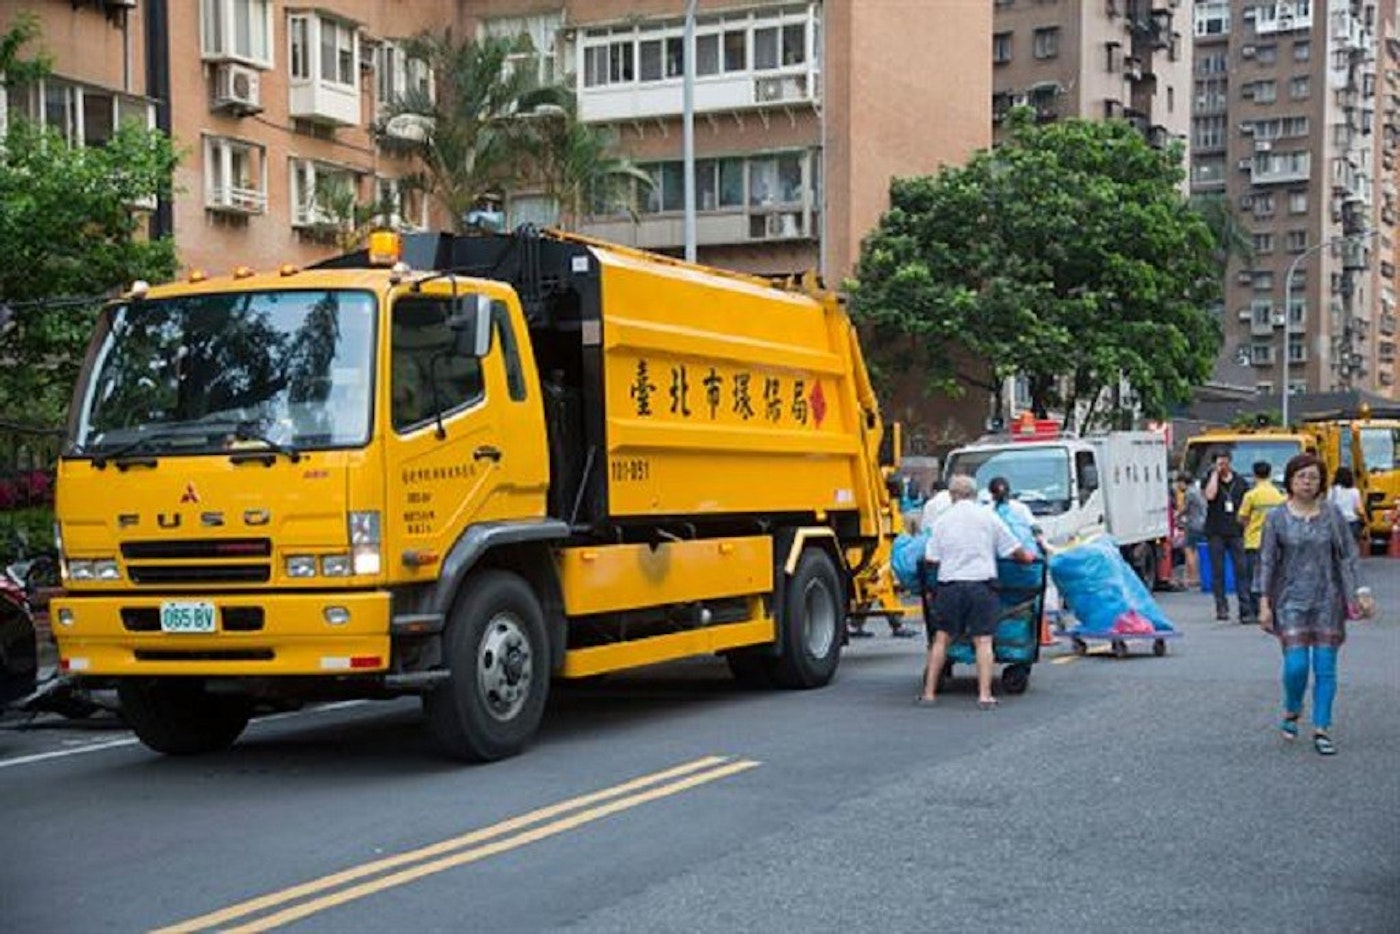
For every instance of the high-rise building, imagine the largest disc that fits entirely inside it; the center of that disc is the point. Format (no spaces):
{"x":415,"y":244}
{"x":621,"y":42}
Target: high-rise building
{"x":803,"y":111}
{"x":1295,"y":127}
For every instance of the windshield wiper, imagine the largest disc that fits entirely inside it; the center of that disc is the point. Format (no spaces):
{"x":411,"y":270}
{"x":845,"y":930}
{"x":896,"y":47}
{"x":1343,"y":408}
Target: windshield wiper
{"x":145,"y":442}
{"x":249,"y":431}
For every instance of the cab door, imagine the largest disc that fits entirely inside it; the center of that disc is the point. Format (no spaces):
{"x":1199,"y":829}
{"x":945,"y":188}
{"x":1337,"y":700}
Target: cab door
{"x":459,"y":447}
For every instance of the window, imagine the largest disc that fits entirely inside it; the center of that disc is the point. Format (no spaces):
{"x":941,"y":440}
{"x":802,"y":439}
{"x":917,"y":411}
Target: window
{"x":235,"y":175}
{"x":399,"y":205}
{"x":1264,"y":92}
{"x":736,"y":44}
{"x":719,"y":183}
{"x":299,"y":38}
{"x":1266,"y":54}
{"x":322,"y":194}
{"x":610,"y":63}
{"x":1302,"y":50}
{"x":1299,"y":88}
{"x":1208,"y":170}
{"x":535,"y":40}
{"x":1210,"y":94}
{"x":1212,"y":63}
{"x":1297,"y":352}
{"x":84,"y":115}
{"x":1001,"y":48}
{"x":1294,"y":126}
{"x":1208,"y":132}
{"x":427,"y":376}
{"x":1261,"y":312}
{"x":1263,"y":281}
{"x":1047,"y":42}
{"x":1212,"y":17}
{"x":775,"y":180}
{"x":510,"y":349}
{"x":337,"y":52}
{"x":1264,"y":204}
{"x":1263,"y":243}
{"x":240,"y":29}
{"x":397,"y":75}
{"x":707,"y":54}
{"x":1296,"y":241}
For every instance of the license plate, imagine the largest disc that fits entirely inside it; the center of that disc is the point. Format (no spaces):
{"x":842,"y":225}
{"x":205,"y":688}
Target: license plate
{"x":186,"y":617}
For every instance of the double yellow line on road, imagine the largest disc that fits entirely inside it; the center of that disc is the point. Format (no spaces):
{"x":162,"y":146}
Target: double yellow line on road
{"x":287,"y":905}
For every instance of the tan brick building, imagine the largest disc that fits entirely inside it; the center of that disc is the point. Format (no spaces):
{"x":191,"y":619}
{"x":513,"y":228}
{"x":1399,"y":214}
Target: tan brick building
{"x":804,"y":110}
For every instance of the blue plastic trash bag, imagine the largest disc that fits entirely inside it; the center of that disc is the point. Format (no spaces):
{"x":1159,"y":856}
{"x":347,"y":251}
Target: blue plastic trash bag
{"x":905,"y":555}
{"x":1009,"y":573}
{"x":1104,"y":593}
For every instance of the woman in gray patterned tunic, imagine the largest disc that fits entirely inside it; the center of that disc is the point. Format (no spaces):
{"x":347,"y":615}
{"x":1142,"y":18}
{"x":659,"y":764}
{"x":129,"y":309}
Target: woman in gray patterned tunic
{"x":1309,"y":584}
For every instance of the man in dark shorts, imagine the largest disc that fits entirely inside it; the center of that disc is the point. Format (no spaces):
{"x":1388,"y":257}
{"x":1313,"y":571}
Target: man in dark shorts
{"x":964,"y":543}
{"x":1224,"y":492}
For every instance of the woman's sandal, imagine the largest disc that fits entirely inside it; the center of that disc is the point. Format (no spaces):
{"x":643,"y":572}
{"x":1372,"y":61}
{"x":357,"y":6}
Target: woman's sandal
{"x":1289,"y":727}
{"x":989,"y":704}
{"x":1324,"y":745}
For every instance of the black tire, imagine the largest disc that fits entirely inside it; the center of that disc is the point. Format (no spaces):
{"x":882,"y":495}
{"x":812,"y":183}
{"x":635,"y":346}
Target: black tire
{"x":1159,"y":647}
{"x":176,"y":716}
{"x":1080,"y":647}
{"x":1145,"y":564}
{"x":810,"y":623}
{"x":1120,"y":649}
{"x":1015,"y":678}
{"x":498,"y":655}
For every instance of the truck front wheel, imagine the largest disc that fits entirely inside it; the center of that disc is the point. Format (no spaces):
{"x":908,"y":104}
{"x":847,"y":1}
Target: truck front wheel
{"x":178,"y":717}
{"x":491,"y":705}
{"x":810,"y":623}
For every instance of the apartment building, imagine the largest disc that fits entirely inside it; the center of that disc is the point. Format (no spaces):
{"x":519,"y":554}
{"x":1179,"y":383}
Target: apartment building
{"x":1095,"y":59}
{"x":1295,"y":125}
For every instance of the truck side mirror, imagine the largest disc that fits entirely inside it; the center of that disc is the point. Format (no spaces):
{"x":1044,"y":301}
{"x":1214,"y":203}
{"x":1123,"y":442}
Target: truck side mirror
{"x":470,"y":322}
{"x":1088,"y":481}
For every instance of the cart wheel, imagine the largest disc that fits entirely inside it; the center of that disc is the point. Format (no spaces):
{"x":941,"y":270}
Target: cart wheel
{"x":1080,"y":646}
{"x":1120,"y":649}
{"x":1015,"y":678}
{"x":1159,"y":647}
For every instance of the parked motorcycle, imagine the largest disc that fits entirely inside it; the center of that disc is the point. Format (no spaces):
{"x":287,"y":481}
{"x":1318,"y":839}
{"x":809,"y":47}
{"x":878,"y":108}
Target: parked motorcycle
{"x":19,"y":647}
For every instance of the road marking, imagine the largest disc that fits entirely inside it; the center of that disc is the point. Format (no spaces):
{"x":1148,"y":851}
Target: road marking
{"x":464,"y":849}
{"x":61,"y":753}
{"x":132,"y":741}
{"x":1096,"y":650}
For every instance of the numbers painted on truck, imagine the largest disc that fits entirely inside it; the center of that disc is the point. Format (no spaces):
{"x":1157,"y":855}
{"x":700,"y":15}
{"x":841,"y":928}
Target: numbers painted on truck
{"x":630,"y":469}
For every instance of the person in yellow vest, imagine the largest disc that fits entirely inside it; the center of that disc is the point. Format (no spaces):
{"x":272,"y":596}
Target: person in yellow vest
{"x":1261,"y":498}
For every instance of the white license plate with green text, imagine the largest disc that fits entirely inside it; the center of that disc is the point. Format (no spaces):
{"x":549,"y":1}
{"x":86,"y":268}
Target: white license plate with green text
{"x":184,"y":616}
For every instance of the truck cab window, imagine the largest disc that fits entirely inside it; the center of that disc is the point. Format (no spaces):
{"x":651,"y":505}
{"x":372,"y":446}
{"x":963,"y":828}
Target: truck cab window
{"x":1088,"y":473}
{"x":427,"y":375}
{"x":515,"y":373}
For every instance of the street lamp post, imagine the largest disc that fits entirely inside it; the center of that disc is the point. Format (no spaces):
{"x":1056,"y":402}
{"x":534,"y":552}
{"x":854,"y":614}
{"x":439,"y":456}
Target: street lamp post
{"x":688,"y":126}
{"x":1288,"y":305}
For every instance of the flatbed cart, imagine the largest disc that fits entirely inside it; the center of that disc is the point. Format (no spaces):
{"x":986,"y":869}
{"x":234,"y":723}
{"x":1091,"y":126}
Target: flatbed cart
{"x":1016,"y":644}
{"x":1119,"y":641}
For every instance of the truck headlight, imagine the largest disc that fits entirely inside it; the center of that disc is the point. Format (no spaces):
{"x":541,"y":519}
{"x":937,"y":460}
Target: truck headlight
{"x":81,"y":570}
{"x":364,"y":541}
{"x":301,"y":566}
{"x":106,"y":569}
{"x":335,"y":565}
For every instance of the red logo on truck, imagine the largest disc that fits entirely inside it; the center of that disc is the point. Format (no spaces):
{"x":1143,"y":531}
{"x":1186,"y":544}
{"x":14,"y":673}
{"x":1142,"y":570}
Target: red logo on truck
{"x":818,"y":400}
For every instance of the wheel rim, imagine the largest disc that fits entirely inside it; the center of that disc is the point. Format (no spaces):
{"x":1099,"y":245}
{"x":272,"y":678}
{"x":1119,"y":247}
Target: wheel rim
{"x":503,"y":667}
{"x":819,"y":619}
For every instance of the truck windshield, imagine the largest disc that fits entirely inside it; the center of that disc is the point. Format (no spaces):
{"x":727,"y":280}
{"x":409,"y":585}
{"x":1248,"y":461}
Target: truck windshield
{"x":1244,"y":452}
{"x":1380,"y":447}
{"x":199,"y":373}
{"x":1039,"y":476}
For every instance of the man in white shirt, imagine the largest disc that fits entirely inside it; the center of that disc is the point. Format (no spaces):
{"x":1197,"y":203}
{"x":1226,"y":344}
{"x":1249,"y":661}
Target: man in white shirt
{"x":964,"y":543}
{"x":937,"y":504}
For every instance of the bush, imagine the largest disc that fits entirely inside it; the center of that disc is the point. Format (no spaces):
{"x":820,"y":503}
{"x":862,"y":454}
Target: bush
{"x":25,"y":531}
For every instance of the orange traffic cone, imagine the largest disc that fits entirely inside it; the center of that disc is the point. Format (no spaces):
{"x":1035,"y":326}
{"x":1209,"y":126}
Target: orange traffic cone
{"x":1047,"y":637}
{"x":1393,"y":550}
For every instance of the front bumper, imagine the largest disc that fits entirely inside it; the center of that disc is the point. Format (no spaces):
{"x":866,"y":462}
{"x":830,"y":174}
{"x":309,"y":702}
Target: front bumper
{"x":111,"y":635}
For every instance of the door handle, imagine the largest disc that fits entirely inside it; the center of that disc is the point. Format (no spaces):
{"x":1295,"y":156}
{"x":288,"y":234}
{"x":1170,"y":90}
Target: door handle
{"x":487,"y":452}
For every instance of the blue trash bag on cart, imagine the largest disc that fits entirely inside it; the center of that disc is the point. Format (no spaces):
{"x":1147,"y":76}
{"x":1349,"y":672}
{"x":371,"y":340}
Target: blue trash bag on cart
{"x":1104,"y":593}
{"x":905,"y":555}
{"x":1009,"y":573}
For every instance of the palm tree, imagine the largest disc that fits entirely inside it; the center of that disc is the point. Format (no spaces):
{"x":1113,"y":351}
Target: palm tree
{"x":1232,"y":238}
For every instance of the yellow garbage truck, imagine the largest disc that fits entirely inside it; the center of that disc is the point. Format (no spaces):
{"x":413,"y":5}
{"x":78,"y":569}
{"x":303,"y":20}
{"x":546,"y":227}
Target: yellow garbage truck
{"x":460,"y":467}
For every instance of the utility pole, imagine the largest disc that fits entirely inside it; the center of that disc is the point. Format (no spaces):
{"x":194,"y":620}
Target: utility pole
{"x":1288,"y":304}
{"x":688,"y":127}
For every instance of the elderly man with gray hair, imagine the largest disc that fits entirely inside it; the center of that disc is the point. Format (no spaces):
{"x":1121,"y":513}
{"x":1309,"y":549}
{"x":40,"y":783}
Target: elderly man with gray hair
{"x":964,"y":544}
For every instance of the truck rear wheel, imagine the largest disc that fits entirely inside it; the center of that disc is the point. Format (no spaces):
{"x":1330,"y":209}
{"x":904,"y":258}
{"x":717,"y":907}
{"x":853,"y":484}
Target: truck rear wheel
{"x":498,"y":657}
{"x":810,"y":623}
{"x":178,"y":717}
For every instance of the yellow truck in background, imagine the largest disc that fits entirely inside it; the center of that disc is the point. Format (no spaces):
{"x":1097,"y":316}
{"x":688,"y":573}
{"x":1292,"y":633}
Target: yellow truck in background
{"x":1373,"y":454}
{"x":459,"y":467}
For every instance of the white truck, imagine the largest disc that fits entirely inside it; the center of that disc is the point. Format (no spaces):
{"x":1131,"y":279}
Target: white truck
{"x":1076,"y":487}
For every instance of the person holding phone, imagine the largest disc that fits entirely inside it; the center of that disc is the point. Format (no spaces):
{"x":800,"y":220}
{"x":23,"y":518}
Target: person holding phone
{"x":1224,"y":492}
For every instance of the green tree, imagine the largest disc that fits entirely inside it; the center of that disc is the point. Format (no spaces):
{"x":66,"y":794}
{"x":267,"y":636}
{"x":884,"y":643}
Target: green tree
{"x":1067,"y":255}
{"x":71,"y":234}
{"x":579,"y":165}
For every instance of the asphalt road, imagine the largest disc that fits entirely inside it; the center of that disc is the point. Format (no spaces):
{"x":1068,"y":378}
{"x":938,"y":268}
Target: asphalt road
{"x":1116,"y":794}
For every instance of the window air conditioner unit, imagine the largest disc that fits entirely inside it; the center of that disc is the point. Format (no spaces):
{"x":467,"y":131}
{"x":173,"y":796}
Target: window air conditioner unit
{"x":236,"y":88}
{"x":1248,"y":13}
{"x":1263,"y":145}
{"x":782,"y":225}
{"x":1247,"y":51}
{"x":1247,"y":129}
{"x":768,"y":90}
{"x":1246,"y":202}
{"x":1245,"y":165}
{"x":1245,"y":277}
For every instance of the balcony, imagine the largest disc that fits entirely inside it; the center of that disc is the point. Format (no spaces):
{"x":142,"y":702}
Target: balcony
{"x":718,"y":94}
{"x":234,"y":200}
{"x":667,"y":231}
{"x":324,"y":103}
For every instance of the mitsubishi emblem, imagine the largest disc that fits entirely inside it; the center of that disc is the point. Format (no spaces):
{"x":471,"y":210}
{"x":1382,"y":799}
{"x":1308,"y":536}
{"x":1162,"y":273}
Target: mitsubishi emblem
{"x":191,"y":495}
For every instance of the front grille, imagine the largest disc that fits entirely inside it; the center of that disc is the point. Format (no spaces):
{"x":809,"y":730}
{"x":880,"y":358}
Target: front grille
{"x":199,"y":574}
{"x":218,"y":548}
{"x":141,"y":618}
{"x":217,"y":655}
{"x":241,"y":618}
